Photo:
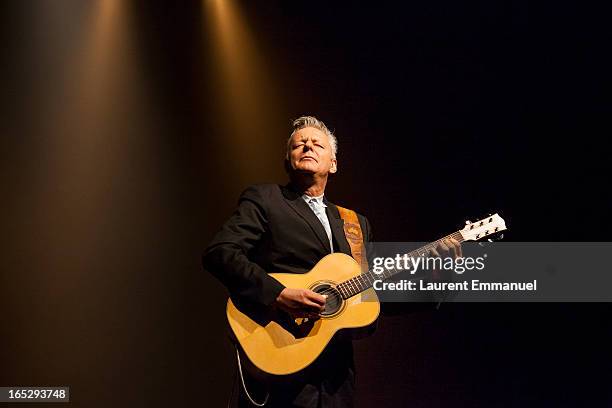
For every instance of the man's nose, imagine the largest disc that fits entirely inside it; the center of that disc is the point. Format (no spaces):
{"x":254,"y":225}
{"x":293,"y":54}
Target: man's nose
{"x":308,"y":145}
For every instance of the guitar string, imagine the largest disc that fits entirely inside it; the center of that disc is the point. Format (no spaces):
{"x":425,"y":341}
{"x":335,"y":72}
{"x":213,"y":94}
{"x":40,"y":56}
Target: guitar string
{"x":333,"y":289}
{"x":358,"y":288}
{"x":358,"y":285}
{"x":355,"y":285}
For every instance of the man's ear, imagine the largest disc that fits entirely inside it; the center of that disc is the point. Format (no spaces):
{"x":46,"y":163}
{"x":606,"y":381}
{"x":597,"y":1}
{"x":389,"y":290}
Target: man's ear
{"x":334,"y":166}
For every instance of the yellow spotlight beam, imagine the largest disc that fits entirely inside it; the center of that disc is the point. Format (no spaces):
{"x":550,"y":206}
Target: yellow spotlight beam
{"x":250,"y":111}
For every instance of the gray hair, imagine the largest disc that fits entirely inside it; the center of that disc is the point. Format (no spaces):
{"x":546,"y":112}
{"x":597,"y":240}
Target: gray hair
{"x":310,"y":121}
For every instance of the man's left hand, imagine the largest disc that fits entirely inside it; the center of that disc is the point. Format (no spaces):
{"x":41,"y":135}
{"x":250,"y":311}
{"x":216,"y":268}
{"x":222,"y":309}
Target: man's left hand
{"x":448,"y":248}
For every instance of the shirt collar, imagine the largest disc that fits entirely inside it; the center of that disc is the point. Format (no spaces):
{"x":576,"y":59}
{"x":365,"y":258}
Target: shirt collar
{"x":318,"y":200}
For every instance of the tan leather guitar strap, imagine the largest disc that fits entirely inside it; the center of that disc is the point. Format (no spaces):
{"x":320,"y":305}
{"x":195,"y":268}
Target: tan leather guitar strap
{"x":354,"y":236}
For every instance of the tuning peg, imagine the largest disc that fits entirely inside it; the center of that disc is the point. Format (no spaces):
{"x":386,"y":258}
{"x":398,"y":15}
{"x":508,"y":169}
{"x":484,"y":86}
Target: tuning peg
{"x":468,"y":222}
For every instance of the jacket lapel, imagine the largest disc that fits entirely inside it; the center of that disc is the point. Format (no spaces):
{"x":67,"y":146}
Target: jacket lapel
{"x":337,"y":226}
{"x":295,"y":201}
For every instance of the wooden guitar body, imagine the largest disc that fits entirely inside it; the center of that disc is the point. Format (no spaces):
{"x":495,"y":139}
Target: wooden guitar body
{"x":279,"y":345}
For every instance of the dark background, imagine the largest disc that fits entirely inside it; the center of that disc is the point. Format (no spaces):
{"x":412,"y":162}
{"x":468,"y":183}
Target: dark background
{"x":121,"y":157}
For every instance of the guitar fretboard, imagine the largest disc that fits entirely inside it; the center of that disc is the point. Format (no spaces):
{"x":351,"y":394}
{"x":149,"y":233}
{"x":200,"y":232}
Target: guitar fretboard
{"x":365,"y":281}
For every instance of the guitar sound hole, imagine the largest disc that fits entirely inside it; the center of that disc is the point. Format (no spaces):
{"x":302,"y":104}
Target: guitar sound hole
{"x":333,"y":303}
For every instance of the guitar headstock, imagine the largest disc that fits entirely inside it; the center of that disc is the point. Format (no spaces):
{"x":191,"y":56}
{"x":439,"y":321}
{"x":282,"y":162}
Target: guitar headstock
{"x":486,"y":227}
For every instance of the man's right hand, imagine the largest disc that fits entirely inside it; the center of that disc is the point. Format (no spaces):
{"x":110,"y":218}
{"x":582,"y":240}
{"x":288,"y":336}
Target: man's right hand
{"x":301,"y":302}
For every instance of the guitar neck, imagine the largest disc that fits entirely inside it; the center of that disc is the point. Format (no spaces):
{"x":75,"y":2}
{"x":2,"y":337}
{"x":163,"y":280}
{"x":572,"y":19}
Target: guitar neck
{"x":364,"y":281}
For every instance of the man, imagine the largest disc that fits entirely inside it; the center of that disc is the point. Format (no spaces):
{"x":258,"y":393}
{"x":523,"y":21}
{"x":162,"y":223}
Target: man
{"x":289,"y":229}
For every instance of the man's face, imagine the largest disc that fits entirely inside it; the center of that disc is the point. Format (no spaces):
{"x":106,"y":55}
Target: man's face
{"x":311,"y":152}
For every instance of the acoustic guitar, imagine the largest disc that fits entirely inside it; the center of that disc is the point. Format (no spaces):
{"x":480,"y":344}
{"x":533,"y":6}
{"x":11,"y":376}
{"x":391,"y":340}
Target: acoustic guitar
{"x":278,"y":344}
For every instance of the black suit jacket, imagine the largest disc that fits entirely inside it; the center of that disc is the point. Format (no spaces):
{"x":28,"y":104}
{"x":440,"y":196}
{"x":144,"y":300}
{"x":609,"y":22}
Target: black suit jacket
{"x":272,"y":230}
